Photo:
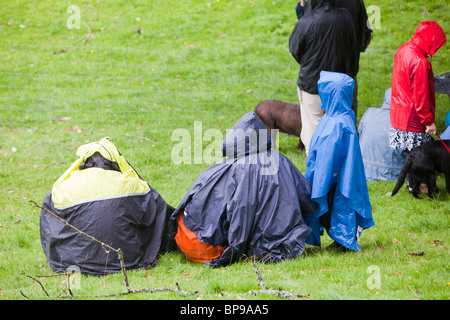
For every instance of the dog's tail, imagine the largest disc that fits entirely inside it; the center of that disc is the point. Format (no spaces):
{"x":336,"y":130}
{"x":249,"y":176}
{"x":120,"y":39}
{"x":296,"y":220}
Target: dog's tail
{"x":401,"y":179}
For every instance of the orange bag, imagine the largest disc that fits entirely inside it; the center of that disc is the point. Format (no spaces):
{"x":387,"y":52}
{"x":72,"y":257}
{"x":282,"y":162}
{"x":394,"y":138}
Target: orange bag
{"x":194,"y":249}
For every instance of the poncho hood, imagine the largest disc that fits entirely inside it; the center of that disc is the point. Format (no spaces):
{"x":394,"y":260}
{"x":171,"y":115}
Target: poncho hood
{"x":429,"y":37}
{"x":336,"y":93}
{"x":247,"y":136}
{"x":108,"y":166}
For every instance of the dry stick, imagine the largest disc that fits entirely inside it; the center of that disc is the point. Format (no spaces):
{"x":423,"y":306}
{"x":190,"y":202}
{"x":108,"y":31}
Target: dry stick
{"x":260,"y":280}
{"x":85,"y":38}
{"x":42,"y":287}
{"x":88,"y":26}
{"x":122,"y":263}
{"x":60,"y":294}
{"x":68,"y":284}
{"x":104,"y":245}
{"x":151,"y":290}
{"x":279,"y":293}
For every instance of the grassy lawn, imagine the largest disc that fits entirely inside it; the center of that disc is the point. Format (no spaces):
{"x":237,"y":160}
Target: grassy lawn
{"x":138,"y":70}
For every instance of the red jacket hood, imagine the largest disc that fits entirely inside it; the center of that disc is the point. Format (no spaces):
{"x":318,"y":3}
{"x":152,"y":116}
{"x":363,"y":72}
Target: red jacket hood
{"x":429,"y":37}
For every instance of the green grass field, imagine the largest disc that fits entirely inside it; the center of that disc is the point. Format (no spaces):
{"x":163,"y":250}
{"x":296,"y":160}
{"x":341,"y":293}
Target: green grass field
{"x":193,"y":61}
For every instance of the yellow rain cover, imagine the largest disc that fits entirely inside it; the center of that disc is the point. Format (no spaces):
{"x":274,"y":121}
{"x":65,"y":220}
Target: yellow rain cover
{"x":79,"y":186}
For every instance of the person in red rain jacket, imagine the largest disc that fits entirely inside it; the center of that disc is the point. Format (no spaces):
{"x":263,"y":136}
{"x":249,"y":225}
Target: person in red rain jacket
{"x":412,"y":111}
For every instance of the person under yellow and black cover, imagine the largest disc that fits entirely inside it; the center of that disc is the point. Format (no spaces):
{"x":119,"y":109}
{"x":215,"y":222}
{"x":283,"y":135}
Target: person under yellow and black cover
{"x":103,"y":196}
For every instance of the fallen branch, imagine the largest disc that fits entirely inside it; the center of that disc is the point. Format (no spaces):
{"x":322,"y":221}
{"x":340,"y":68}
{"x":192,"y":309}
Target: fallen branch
{"x":42,"y":287}
{"x":280,"y":293}
{"x":151,"y":290}
{"x":132,"y":291}
{"x":86,"y":37}
{"x":104,"y":245}
{"x":122,"y":264}
{"x":261,"y":281}
{"x":264,"y":290}
{"x":419,"y":253}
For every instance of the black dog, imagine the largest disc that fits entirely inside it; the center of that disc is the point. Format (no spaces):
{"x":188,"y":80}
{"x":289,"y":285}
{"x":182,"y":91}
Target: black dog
{"x":284,"y":116}
{"x":421,"y":165}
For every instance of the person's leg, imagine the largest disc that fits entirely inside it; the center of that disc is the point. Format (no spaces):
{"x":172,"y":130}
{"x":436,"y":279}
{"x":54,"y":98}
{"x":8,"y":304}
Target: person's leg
{"x":311,"y":113}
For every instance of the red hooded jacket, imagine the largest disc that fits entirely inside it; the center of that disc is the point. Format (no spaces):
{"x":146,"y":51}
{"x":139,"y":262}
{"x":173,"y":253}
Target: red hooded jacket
{"x":413,"y":102}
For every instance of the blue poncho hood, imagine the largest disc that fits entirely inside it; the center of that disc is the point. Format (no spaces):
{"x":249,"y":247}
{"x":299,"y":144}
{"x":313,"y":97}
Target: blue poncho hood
{"x":335,"y":159}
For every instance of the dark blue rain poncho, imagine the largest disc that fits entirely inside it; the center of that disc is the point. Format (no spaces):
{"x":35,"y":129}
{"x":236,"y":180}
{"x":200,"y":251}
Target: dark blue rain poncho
{"x":335,"y":160}
{"x":381,"y":162}
{"x":253,"y":202}
{"x":446,"y":134}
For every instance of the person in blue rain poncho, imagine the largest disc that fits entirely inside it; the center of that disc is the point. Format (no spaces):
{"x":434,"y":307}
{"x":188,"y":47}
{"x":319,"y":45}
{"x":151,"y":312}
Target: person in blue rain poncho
{"x":381,"y":162}
{"x":335,"y":168}
{"x":251,"y":204}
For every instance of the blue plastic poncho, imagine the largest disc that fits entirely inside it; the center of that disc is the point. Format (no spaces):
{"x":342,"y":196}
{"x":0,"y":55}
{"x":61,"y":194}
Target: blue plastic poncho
{"x":381,"y":162}
{"x":446,"y":134}
{"x":335,"y":159}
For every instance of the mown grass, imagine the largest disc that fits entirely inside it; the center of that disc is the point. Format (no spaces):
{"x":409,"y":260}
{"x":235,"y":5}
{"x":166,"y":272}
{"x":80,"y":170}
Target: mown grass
{"x":194,"y":61}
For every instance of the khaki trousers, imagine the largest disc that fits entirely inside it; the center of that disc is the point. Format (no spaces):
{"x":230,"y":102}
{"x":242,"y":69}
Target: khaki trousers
{"x":311,"y":113}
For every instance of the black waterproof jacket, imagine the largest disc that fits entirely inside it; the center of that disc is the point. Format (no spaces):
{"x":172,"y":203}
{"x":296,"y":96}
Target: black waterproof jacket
{"x":253,"y":202}
{"x":363,"y":33}
{"x":323,"y":40}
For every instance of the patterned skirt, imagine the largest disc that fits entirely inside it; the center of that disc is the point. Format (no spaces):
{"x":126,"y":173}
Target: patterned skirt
{"x":407,"y":140}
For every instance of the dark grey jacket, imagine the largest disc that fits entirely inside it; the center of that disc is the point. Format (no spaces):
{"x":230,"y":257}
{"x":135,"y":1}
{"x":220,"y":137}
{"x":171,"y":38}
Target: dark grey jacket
{"x":323,"y":40}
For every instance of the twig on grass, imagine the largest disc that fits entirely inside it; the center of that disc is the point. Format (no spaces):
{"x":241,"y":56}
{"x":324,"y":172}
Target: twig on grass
{"x":264,"y":290}
{"x":42,"y":287}
{"x":122,"y":263}
{"x":280,"y":293}
{"x":104,"y":245}
{"x":86,"y":37}
{"x":261,"y":281}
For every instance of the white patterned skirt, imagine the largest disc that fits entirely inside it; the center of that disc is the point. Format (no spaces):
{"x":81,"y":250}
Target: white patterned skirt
{"x":407,"y":140}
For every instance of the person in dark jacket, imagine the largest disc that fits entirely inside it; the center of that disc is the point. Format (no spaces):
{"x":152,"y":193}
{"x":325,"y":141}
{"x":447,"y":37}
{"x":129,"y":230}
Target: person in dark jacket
{"x":363,"y":34}
{"x":252,"y":204}
{"x":323,"y":39}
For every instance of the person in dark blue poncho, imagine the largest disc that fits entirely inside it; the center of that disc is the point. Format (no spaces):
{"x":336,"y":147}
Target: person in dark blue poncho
{"x":335,"y":168}
{"x":250,"y":204}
